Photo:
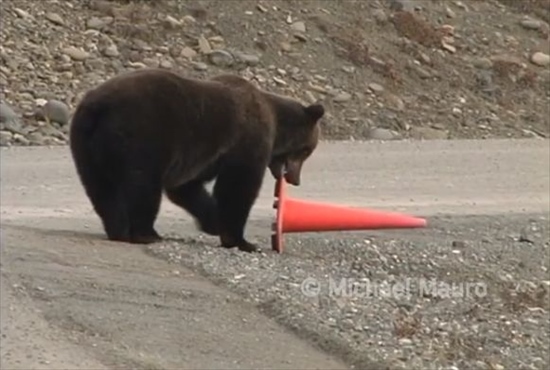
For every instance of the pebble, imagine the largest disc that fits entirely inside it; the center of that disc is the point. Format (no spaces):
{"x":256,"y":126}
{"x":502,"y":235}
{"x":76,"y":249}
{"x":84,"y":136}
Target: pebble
{"x":376,"y":88}
{"x":165,"y":63}
{"x":56,"y":111}
{"x":23,"y":14}
{"x":450,"y":13}
{"x":188,"y":53}
{"x":298,"y":26}
{"x":530,"y":24}
{"x":541,"y":59}
{"x":111,"y":51}
{"x":401,"y":5}
{"x":96,"y":23}
{"x":395,"y":102}
{"x":380,"y":16}
{"x":55,"y":19}
{"x":7,"y":114}
{"x":249,"y":59}
{"x":173,"y":22}
{"x":383,"y":134}
{"x":5,"y":138}
{"x":204,"y":45}
{"x":76,"y":54}
{"x":199,"y":66}
{"x":428,"y":133}
{"x":342,"y":97}
{"x":221,"y":58}
{"x":482,"y":63}
{"x":286,"y":46}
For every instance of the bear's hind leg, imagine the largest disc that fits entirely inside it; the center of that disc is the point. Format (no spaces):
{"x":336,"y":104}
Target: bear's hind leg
{"x":113,"y":215}
{"x":235,"y":191}
{"x":194,"y":198}
{"x":143,"y":197}
{"x":107,"y":200}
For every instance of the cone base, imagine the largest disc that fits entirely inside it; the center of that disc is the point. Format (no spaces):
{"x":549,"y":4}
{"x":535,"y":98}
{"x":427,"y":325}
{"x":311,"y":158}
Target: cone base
{"x":295,"y":215}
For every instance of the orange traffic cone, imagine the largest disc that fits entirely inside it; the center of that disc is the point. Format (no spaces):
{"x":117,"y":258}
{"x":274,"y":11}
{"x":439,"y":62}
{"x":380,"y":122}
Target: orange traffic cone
{"x":295,"y":215}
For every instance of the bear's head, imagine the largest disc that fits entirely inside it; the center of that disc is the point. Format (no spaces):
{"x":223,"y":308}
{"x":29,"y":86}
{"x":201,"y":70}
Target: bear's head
{"x":297,"y":137}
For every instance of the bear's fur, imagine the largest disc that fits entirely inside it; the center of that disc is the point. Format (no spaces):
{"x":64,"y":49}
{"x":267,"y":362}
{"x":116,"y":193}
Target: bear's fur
{"x":152,"y":130}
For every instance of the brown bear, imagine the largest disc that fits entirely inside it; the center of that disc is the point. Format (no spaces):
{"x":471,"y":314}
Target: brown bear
{"x":153,"y":130}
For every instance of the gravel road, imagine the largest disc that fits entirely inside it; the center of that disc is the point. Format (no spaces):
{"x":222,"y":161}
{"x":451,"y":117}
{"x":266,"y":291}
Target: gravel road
{"x":70,"y":299}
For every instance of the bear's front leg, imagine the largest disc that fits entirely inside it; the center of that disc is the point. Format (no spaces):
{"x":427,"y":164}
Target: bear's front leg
{"x":236,"y":189}
{"x":194,"y":198}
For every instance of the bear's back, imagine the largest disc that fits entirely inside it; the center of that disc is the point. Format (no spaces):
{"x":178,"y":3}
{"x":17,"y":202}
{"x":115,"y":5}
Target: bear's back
{"x":153,"y":98}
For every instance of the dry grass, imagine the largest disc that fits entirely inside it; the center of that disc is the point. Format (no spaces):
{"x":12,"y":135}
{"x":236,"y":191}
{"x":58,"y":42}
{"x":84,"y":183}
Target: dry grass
{"x":353,"y":46}
{"x":415,"y":29}
{"x":520,"y":297}
{"x":406,"y":325}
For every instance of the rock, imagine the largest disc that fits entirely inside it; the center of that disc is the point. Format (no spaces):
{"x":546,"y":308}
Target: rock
{"x":482,"y":63}
{"x":14,"y":126}
{"x":188,"y":53}
{"x":173,"y":22}
{"x":376,"y":88}
{"x":384,"y":134}
{"x":111,"y":51}
{"x":459,"y":244}
{"x":529,"y":234}
{"x":204,"y":45}
{"x":428,"y":133}
{"x":97,"y":23}
{"x":38,"y":138}
{"x":165,"y":63}
{"x":531,"y":24}
{"x":199,"y":66}
{"x":76,"y":54}
{"x":540,"y":59}
{"x":298,"y":27}
{"x":151,"y":62}
{"x":188,"y":19}
{"x":401,"y":5}
{"x":221,"y":58}
{"x":449,"y":12}
{"x":300,"y":37}
{"x":55,"y":19}
{"x":22,"y":14}
{"x":421,"y":72}
{"x":310,"y":97}
{"x":20,"y":139}
{"x":394,"y":102}
{"x":348,"y":69}
{"x":56,"y":111}
{"x":249,"y":59}
{"x":450,"y":48}
{"x":5,"y":138}
{"x":286,"y":46}
{"x":380,"y":16}
{"x":50,"y":131}
{"x":137,"y":65}
{"x":342,"y":97}
{"x":7,"y":114}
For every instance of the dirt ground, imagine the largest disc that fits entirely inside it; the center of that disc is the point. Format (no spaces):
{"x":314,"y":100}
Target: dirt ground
{"x":72,"y":300}
{"x":385,"y":69}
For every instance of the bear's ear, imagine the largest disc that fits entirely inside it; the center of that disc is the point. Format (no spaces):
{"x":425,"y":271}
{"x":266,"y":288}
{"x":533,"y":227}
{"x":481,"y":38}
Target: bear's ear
{"x":315,"y":111}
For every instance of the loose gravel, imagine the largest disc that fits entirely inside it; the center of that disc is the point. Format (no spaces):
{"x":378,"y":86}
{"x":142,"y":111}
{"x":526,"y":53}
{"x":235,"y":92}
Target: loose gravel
{"x":465,"y":293}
